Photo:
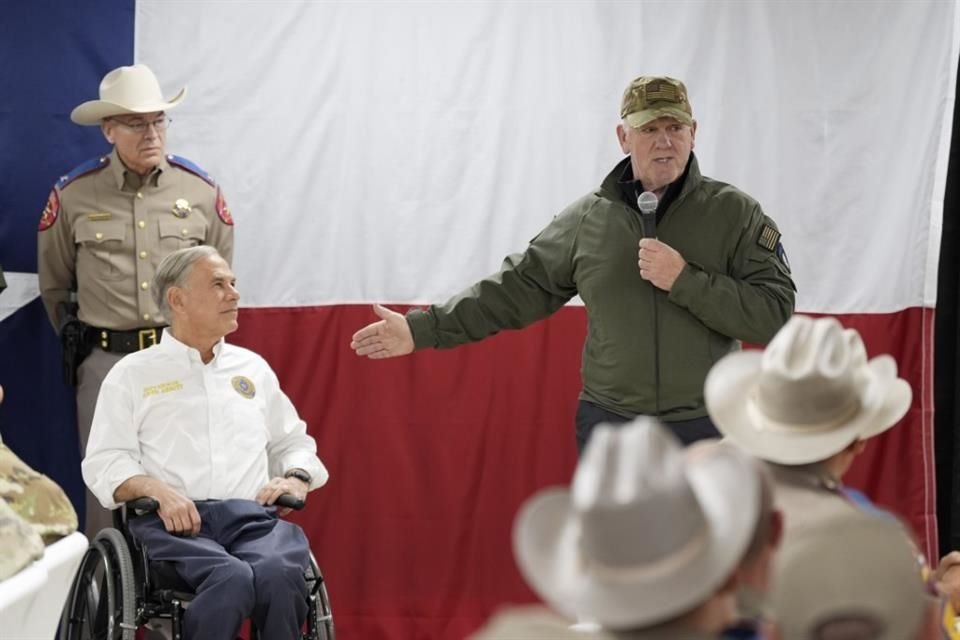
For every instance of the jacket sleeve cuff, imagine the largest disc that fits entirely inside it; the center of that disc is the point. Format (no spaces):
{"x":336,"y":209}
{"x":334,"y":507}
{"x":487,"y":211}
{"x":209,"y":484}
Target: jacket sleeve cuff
{"x":421,"y":327}
{"x":688,"y":286}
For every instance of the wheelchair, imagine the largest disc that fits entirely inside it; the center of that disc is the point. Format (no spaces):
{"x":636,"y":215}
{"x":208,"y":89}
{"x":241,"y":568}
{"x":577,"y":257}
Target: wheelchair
{"x":116,"y":591}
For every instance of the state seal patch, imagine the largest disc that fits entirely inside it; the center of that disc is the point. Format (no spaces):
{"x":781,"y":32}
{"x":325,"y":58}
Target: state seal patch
{"x":50,"y":212}
{"x":222,"y":209}
{"x":244,"y":386}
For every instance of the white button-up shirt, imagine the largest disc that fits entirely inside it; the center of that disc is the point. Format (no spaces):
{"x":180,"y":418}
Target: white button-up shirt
{"x":211,"y":431}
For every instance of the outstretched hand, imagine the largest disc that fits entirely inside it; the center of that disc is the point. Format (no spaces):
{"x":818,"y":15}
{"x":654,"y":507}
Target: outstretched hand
{"x":388,"y":337}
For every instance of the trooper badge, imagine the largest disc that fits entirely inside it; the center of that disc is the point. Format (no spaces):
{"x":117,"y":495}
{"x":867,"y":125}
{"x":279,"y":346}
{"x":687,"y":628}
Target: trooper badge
{"x":181,"y":208}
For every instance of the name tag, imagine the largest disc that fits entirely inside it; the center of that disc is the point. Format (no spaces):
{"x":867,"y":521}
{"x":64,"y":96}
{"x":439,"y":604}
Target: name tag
{"x":165,"y":387}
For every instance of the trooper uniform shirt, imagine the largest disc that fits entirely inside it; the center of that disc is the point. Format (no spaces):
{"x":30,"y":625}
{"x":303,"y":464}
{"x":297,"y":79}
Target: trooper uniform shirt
{"x":105,"y":230}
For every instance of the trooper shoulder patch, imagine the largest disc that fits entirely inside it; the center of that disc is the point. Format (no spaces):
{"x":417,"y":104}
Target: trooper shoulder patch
{"x":50,"y":212}
{"x":768,"y":238}
{"x":222,"y":209}
{"x":187,"y":165}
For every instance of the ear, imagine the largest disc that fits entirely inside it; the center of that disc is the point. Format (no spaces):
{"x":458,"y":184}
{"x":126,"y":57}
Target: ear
{"x":176,"y":299}
{"x":693,"y":134}
{"x":622,"y":138}
{"x":857,"y":447}
{"x":106,"y":128}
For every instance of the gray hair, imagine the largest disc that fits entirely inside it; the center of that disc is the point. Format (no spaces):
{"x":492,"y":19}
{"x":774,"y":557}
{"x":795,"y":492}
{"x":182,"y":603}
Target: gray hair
{"x":174,"y":271}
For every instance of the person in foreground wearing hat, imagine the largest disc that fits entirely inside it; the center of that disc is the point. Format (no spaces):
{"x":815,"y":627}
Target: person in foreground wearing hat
{"x":806,"y":405}
{"x":647,"y":543}
{"x":662,"y":305}
{"x":203,"y":427}
{"x":841,"y":581}
{"x":107,"y":225}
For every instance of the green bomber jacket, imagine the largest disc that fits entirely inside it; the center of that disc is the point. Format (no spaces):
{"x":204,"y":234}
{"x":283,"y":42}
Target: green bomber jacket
{"x":647,"y":351}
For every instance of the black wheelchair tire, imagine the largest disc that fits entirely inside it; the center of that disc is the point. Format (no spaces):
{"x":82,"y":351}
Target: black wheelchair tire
{"x":83,"y":617}
{"x":320,"y":626}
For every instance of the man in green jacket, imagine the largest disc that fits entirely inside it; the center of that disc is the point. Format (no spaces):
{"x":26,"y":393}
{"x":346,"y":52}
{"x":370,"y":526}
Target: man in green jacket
{"x":662,"y":306}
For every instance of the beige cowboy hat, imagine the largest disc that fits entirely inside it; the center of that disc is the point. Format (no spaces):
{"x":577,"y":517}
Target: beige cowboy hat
{"x":852,"y":569}
{"x":643,"y":534}
{"x":807,"y":396}
{"x":132,"y":89}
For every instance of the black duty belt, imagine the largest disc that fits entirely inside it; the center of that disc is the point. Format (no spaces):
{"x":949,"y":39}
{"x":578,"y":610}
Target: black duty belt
{"x":126,"y":341}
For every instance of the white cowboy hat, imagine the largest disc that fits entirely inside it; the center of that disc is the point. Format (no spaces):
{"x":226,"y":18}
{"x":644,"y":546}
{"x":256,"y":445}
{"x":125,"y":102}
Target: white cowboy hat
{"x":643,"y":535}
{"x":808,"y":396}
{"x":131,"y":89}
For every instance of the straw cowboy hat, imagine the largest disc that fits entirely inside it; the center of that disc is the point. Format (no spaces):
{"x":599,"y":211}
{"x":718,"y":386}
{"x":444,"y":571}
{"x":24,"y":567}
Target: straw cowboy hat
{"x":808,"y":396}
{"x":131,"y":89}
{"x":643,"y":534}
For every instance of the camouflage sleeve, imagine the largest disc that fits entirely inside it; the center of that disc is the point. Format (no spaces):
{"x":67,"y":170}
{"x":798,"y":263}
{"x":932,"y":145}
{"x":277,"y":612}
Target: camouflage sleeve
{"x":755,"y":299}
{"x":529,"y":286}
{"x":35,"y":497}
{"x":56,"y":258}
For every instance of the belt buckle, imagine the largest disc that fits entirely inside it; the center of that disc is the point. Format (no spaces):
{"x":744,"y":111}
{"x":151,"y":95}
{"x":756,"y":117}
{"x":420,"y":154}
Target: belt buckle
{"x":147,"y":338}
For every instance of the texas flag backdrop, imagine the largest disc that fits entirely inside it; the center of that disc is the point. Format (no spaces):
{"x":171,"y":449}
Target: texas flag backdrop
{"x":396,"y":151}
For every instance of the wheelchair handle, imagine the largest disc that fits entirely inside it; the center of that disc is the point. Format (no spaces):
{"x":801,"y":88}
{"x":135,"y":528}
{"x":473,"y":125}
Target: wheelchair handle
{"x":150,"y":505}
{"x":290,"y":501}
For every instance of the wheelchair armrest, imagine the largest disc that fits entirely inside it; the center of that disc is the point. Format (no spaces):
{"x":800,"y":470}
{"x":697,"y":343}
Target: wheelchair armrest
{"x":149,"y":505}
{"x":143,"y":505}
{"x":290,"y":501}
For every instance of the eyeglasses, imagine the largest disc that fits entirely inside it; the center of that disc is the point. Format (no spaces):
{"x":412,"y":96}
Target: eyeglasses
{"x":140,"y":127}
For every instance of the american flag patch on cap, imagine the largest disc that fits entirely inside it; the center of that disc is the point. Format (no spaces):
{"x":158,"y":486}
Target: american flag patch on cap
{"x":768,"y":238}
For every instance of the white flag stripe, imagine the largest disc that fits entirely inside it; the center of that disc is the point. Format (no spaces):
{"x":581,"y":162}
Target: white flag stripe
{"x":397,"y":151}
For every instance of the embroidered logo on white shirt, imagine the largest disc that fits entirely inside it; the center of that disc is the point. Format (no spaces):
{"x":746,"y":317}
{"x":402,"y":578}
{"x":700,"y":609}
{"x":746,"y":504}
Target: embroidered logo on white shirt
{"x":244,"y":386}
{"x":164,"y":387}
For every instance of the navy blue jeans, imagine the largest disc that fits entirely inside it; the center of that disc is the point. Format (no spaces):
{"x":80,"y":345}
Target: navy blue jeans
{"x":245,"y":563}
{"x":590,"y":415}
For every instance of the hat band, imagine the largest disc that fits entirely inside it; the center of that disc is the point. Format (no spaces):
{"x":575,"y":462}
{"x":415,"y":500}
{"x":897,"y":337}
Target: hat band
{"x":657,"y":569}
{"x":763,"y":422}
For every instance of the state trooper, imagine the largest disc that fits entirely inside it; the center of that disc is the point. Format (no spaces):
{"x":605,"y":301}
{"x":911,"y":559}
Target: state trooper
{"x":107,"y":225}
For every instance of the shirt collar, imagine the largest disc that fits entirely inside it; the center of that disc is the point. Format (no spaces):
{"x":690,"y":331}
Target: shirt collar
{"x":180,"y":350}
{"x":811,"y":476}
{"x":631,"y":188}
{"x":119,"y":172}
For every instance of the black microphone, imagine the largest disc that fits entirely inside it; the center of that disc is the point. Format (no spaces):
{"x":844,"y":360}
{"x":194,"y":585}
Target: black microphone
{"x":647,"y":202}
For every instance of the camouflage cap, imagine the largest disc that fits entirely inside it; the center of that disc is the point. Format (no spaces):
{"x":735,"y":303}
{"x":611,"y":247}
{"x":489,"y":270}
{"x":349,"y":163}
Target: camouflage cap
{"x":650,"y":97}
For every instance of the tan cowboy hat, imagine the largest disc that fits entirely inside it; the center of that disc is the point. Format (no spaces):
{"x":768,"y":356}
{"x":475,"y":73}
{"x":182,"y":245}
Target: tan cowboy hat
{"x":851,"y":569}
{"x":643,"y":534}
{"x":131,"y":89}
{"x":808,"y":396}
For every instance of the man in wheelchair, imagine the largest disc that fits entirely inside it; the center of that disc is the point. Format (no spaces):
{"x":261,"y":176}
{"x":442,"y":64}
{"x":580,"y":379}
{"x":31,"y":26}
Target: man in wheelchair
{"x":203,"y":427}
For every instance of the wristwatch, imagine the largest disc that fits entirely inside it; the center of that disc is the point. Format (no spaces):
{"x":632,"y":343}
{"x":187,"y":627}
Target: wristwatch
{"x":299,"y":474}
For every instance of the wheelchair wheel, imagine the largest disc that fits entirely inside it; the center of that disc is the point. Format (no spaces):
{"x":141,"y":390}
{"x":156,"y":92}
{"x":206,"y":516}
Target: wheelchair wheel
{"x":320,"y":620}
{"x":102,"y":599}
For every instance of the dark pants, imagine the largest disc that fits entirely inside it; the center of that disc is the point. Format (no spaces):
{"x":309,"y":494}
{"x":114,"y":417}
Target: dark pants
{"x":246,"y":563}
{"x":590,"y":415}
